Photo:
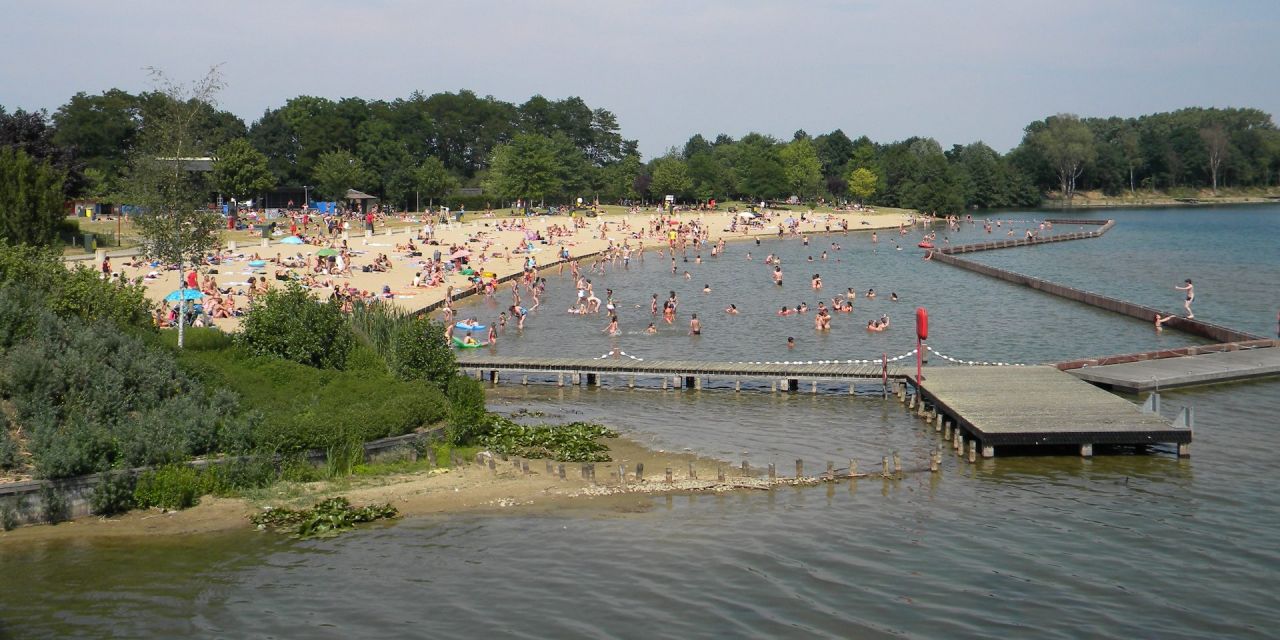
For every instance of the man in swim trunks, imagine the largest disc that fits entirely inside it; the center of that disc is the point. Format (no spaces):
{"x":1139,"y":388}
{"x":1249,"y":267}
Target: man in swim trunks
{"x":1191,"y":296}
{"x":695,"y":326}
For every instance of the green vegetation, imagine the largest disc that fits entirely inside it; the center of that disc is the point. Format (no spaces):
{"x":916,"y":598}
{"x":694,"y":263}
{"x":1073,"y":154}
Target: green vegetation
{"x":572,"y":442}
{"x":170,"y":487}
{"x":290,"y":323}
{"x":325,"y":519}
{"x":30,"y":198}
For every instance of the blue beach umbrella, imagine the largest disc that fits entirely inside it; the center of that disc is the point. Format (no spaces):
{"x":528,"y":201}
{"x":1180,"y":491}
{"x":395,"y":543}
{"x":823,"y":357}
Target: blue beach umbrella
{"x":184,"y":294}
{"x":291,"y":240}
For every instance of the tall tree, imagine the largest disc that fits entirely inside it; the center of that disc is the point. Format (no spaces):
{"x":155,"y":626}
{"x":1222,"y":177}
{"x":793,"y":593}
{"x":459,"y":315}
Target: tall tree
{"x":1068,"y":145}
{"x":1216,"y":144}
{"x":336,"y":172}
{"x":863,"y":183}
{"x":670,"y":177}
{"x":241,"y":171}
{"x":175,"y":225}
{"x":526,"y":168}
{"x":30,"y":198}
{"x":801,"y":165}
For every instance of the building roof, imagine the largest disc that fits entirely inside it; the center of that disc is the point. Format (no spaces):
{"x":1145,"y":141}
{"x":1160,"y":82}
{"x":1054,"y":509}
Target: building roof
{"x":352,"y":194}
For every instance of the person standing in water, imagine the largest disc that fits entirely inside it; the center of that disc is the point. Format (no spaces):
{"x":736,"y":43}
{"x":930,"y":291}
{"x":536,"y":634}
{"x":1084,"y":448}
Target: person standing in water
{"x":695,"y":326}
{"x":1191,"y":296}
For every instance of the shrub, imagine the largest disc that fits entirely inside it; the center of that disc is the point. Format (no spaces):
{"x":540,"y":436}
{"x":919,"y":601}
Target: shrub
{"x":169,"y":487}
{"x":8,"y":446}
{"x":81,"y":292}
{"x":54,"y":504}
{"x":376,"y":324}
{"x":290,"y":323}
{"x":8,"y":516}
{"x":114,"y":493}
{"x":468,"y":419}
{"x":419,"y":351}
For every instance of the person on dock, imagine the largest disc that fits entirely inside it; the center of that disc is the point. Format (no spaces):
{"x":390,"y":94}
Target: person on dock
{"x":1191,"y":296}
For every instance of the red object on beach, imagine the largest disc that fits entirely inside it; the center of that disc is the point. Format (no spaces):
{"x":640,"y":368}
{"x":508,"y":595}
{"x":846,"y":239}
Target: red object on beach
{"x":925,"y":245}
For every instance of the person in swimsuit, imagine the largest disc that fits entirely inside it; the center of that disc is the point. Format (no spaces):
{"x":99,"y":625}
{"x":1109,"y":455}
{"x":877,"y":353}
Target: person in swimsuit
{"x":695,"y":326}
{"x":651,"y":329}
{"x":1191,"y":296}
{"x":1161,"y":320}
{"x":612,"y":329}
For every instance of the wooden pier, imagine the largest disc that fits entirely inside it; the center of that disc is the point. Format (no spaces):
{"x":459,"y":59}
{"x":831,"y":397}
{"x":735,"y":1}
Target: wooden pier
{"x":1183,"y":370}
{"x":781,"y":376}
{"x":1039,"y":405}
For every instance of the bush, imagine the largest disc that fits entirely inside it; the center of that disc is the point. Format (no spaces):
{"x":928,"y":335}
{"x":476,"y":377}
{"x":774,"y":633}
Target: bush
{"x":8,"y":516}
{"x":468,"y":419}
{"x":290,"y":323}
{"x":54,"y":504}
{"x":169,"y":487}
{"x":93,"y":397}
{"x":84,"y":294}
{"x":8,"y":446}
{"x":420,"y":351}
{"x":114,"y":494}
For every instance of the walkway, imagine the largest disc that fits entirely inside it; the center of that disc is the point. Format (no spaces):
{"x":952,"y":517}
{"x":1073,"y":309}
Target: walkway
{"x":1166,"y":373}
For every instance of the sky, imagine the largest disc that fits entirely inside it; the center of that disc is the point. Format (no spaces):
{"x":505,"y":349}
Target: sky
{"x":890,"y":69}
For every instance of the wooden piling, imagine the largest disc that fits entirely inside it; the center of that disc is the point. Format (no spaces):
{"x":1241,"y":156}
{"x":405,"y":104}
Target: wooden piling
{"x":884,"y":466}
{"x":562,"y":472}
{"x":973,"y":451}
{"x":746,"y":468}
{"x":897,"y":464}
{"x":831,"y":469}
{"x":693,"y":473}
{"x":933,"y":461}
{"x":814,"y":387}
{"x":719,"y":473}
{"x":1086,"y":450}
{"x":639,"y":472}
{"x":668,"y":475}
{"x":524,"y":467}
{"x":773,"y":471}
{"x":431,"y":455}
{"x":550,"y":469}
{"x":853,"y":468}
{"x":524,"y":380}
{"x":737,"y":385}
{"x":622,"y":474}
{"x":493,"y":464}
{"x":799,"y":468}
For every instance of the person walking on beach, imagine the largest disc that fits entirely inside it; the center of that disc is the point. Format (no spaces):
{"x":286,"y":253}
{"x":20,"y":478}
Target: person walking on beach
{"x":1191,"y":296}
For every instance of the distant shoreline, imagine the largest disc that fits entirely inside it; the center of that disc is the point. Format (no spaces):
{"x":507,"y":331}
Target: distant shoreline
{"x":1156,"y":201}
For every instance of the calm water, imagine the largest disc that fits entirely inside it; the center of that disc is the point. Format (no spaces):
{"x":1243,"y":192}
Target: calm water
{"x":1116,"y":546}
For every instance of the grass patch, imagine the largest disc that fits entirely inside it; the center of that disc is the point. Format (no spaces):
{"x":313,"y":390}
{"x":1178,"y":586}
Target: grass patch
{"x":572,"y":442}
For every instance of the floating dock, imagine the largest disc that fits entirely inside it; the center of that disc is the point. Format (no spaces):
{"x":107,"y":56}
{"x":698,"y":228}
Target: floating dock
{"x":1040,"y":405}
{"x":1183,"y":371}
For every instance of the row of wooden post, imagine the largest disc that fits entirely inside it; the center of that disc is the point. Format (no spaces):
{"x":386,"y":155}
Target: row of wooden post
{"x":941,"y":424}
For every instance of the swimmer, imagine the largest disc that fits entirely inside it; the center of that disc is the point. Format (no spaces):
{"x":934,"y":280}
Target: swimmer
{"x":612,"y":329}
{"x":777,"y":276}
{"x":893,"y":296}
{"x":816,"y":282}
{"x":871,"y":293}
{"x":706,"y":288}
{"x":1160,"y":321}
{"x":784,"y":311}
{"x":651,"y":329}
{"x":791,"y":342}
{"x":469,"y":341}
{"x":493,"y":335}
{"x":695,"y":326}
{"x":1191,"y":296}
{"x":732,"y":309}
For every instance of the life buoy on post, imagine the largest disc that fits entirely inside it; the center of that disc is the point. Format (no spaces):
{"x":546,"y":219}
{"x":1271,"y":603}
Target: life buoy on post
{"x":922,"y":334}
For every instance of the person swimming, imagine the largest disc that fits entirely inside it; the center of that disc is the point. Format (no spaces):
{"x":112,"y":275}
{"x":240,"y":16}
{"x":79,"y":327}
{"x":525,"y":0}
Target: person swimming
{"x":732,"y":309}
{"x":791,"y":342}
{"x":651,"y":329}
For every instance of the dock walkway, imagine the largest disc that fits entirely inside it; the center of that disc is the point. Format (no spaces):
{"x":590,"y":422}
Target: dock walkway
{"x":1040,"y":405}
{"x":1167,"y":373}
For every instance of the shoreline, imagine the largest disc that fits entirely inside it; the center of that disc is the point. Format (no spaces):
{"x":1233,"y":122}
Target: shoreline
{"x":582,"y":243}
{"x":469,"y":489}
{"x":1159,"y":201}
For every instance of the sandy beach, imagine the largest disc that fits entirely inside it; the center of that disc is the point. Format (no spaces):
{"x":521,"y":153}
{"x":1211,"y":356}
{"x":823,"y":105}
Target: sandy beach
{"x":492,"y":242}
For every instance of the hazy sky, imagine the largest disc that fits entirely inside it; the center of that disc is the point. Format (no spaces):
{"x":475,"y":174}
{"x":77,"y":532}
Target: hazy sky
{"x":956,"y":71}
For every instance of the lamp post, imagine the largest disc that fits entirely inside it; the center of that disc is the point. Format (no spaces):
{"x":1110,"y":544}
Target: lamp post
{"x":306,"y":196}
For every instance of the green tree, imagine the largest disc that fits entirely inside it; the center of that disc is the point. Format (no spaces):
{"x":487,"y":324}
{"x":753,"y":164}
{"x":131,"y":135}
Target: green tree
{"x":801,"y":166}
{"x":1068,"y":146}
{"x":1216,"y":145}
{"x":863,"y":183}
{"x":670,"y":177}
{"x":30,"y":198}
{"x":338,"y":171}
{"x":430,"y":180}
{"x":175,"y":226}
{"x":526,"y":167}
{"x":241,"y":171}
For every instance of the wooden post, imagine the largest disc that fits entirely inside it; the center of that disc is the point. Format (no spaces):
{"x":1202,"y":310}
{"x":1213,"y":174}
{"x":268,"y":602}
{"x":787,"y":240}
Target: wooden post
{"x":720,"y":473}
{"x":524,"y":467}
{"x":664,"y":383}
{"x":946,"y":430}
{"x":773,"y":386}
{"x":668,"y":475}
{"x":639,"y":472}
{"x":550,"y":469}
{"x":853,"y":468}
{"x":1184,"y":449}
{"x":622,"y":474}
{"x":693,"y":473}
{"x":431,"y":455}
{"x":524,"y":380}
{"x":493,"y":464}
{"x":831,"y":469}
{"x":559,"y":379}
{"x":737,"y":385}
{"x":897,"y":464}
{"x":814,"y":387}
{"x":562,"y":472}
{"x":933,"y":461}
{"x":1086,"y":450}
{"x":746,"y":468}
{"x":884,"y":466}
{"x":851,"y":387}
{"x":988,"y":451}
{"x":773,"y":472}
{"x":799,"y":468}
{"x":937,"y":422}
{"x":697,"y":383}
{"x":973,"y":451}
{"x":577,"y":378}
{"x":631,"y":382}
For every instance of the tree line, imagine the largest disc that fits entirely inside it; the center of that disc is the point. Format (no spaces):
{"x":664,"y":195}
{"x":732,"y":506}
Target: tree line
{"x":423,"y":147}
